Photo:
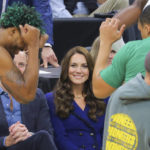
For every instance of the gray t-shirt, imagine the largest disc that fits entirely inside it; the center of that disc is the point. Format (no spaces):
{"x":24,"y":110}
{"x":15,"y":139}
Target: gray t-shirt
{"x":127,"y":117}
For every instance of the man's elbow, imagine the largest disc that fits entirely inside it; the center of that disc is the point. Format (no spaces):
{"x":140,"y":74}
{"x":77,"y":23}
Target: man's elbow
{"x":101,"y":89}
{"x":26,"y":97}
{"x":95,"y":92}
{"x":97,"y":87}
{"x":99,"y":93}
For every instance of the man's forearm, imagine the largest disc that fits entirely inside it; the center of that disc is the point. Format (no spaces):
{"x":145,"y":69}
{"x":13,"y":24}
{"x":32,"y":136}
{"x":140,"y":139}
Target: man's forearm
{"x":100,"y":88}
{"x":22,"y":87}
{"x":109,"y":33}
{"x":102,"y":58}
{"x":129,"y":15}
{"x":32,"y":70}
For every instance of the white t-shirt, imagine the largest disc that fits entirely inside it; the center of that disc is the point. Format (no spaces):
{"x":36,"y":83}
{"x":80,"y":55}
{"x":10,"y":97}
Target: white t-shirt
{"x":3,"y":6}
{"x":148,"y":3}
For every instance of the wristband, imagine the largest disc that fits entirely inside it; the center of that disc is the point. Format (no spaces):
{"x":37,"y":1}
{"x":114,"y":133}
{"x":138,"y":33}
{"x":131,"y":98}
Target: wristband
{"x":47,"y":45}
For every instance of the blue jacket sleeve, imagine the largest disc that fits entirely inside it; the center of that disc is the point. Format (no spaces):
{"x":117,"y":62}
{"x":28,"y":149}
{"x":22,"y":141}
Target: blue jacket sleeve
{"x":60,"y":136}
{"x":43,"y":7}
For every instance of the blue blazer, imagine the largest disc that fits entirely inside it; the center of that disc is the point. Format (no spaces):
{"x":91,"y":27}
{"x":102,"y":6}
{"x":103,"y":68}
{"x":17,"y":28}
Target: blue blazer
{"x":35,"y":115}
{"x":78,"y":131}
{"x":43,"y":7}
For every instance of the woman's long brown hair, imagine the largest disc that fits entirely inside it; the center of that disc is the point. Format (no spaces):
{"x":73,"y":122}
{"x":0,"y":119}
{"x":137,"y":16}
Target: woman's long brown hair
{"x":63,"y":91}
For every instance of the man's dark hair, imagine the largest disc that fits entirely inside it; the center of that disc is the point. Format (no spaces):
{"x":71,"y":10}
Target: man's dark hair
{"x":147,"y":62}
{"x":21,"y":14}
{"x":145,"y":16}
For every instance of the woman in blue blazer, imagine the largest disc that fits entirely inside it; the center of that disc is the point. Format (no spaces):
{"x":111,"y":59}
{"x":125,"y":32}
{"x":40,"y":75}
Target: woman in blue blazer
{"x":76,"y":115}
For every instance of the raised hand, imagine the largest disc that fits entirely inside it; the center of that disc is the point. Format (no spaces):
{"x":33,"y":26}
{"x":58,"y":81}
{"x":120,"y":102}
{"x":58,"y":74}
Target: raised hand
{"x":30,"y":35}
{"x":48,"y":56}
{"x":110,"y":31}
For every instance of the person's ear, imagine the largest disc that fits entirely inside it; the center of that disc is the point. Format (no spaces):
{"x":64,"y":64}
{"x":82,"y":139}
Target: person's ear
{"x":12,"y":30}
{"x":147,"y":29}
{"x":43,"y":39}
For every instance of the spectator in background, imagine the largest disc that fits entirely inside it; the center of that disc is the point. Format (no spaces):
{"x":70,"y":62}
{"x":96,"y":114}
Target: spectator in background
{"x":95,"y":48}
{"x":24,"y":126}
{"x":59,"y":9}
{"x":107,"y":6}
{"x":128,"y":61}
{"x":127,"y":115}
{"x":43,"y":7}
{"x":20,"y":60}
{"x":71,"y":8}
{"x":77,"y":116}
{"x":116,"y":46}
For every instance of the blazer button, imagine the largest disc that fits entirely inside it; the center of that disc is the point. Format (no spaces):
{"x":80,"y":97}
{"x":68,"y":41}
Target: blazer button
{"x":94,"y":146}
{"x":80,"y":133}
{"x":91,"y":134}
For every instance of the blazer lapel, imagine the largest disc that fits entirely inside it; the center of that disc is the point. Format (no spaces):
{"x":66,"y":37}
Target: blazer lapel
{"x":27,"y":116}
{"x":24,"y":114}
{"x":82,"y":115}
{"x":79,"y":111}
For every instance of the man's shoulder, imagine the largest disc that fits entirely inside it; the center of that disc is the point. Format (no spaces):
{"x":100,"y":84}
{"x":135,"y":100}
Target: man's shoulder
{"x":4,"y":52}
{"x":5,"y":61}
{"x":39,"y":97}
{"x":138,"y":42}
{"x":133,"y":47}
{"x":39,"y":91}
{"x":133,"y":43}
{"x":38,"y":102}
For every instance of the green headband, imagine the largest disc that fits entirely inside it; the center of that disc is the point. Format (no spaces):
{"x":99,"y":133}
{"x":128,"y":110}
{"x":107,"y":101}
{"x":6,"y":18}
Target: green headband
{"x":21,"y":14}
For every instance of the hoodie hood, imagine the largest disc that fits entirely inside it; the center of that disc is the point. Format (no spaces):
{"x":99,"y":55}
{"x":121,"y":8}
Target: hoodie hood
{"x":135,"y":90}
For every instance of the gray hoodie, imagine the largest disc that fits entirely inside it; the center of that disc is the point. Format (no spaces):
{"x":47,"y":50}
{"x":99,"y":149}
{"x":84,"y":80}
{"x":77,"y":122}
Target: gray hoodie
{"x":127,"y":120}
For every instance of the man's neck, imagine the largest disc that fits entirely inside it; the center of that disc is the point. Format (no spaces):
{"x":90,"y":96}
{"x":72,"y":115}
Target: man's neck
{"x":147,"y":78}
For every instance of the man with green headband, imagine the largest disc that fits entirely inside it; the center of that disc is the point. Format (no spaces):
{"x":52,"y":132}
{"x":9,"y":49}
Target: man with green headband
{"x":47,"y":55}
{"x":20,"y":28}
{"x":126,"y":17}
